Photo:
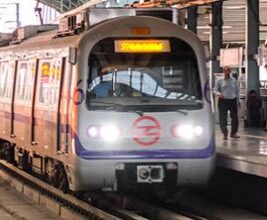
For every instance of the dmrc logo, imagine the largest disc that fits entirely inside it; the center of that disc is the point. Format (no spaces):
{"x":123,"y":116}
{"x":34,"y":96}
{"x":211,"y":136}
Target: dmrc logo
{"x":146,"y":130}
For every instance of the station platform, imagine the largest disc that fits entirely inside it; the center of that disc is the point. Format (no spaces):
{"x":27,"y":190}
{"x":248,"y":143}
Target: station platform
{"x":247,"y":154}
{"x":14,"y":206}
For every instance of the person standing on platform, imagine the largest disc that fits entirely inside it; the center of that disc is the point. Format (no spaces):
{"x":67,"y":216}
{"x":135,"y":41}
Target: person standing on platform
{"x":254,"y":109}
{"x":227,"y":91}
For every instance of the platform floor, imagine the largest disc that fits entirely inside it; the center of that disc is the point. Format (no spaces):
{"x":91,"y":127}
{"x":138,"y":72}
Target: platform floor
{"x":247,"y":154}
{"x":14,"y":206}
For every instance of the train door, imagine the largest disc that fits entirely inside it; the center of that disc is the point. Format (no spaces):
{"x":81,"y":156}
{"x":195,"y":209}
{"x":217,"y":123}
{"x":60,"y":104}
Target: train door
{"x":56,"y":80}
{"x":3,"y":83}
{"x":64,"y":129}
{"x":42,"y":113}
{"x":9,"y":68}
{"x":23,"y":101}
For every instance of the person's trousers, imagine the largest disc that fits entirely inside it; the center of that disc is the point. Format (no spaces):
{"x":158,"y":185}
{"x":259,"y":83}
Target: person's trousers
{"x":224,"y":106}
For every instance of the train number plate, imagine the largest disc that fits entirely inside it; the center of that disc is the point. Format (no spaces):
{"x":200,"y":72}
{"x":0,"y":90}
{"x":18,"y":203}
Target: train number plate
{"x":150,"y":174}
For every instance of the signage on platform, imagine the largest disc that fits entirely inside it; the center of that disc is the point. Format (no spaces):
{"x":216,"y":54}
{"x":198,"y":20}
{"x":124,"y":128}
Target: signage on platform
{"x":232,"y":57}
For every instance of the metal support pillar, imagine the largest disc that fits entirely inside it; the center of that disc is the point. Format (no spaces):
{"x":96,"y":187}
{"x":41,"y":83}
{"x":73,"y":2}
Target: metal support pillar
{"x":216,"y":37}
{"x":181,"y":17}
{"x":17,"y":15}
{"x":175,"y":17}
{"x":252,"y":43}
{"x":192,"y":19}
{"x":39,"y":11}
{"x":61,"y":6}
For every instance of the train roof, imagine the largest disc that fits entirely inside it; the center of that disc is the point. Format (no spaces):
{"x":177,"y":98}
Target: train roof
{"x":35,"y":36}
{"x":5,"y":39}
{"x":71,"y":25}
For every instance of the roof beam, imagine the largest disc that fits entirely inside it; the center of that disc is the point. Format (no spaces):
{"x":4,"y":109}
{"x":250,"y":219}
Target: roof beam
{"x":63,"y":5}
{"x":67,"y":5}
{"x":180,"y":4}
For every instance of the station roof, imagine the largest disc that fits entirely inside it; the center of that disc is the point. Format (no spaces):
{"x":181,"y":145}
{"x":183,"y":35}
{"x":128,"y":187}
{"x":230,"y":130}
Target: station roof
{"x":234,"y":14}
{"x":234,"y":21}
{"x":66,"y":5}
{"x":63,"y":5}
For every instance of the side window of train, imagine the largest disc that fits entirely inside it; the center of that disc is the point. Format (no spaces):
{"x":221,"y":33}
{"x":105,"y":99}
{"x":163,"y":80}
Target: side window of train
{"x":3,"y":78}
{"x":30,"y":80}
{"x":21,"y":80}
{"x":50,"y":72}
{"x":10,"y":70}
{"x":55,"y":81}
{"x":44,"y":73}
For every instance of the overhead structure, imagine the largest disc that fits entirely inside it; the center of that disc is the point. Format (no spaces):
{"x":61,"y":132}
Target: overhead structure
{"x":234,"y":21}
{"x":234,"y":15}
{"x":63,"y":5}
{"x":67,"y":5}
{"x":180,"y":4}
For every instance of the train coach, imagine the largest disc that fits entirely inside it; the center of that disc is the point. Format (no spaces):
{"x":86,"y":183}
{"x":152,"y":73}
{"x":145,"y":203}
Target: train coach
{"x":110,"y":99}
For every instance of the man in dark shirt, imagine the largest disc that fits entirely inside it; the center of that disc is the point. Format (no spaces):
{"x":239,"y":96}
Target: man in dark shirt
{"x":254,"y":109}
{"x":228,"y":93}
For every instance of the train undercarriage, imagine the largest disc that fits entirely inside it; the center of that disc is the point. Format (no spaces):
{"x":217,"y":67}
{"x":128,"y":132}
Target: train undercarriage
{"x":47,"y":169}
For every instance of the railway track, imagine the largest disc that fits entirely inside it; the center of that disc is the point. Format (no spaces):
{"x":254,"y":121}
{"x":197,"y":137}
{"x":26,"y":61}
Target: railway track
{"x":109,"y":206}
{"x":150,"y":210}
{"x":112,"y":206}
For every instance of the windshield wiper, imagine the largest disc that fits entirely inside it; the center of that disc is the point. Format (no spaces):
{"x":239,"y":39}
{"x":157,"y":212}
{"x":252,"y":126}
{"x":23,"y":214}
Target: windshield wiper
{"x":114,"y":105}
{"x":140,"y":113}
{"x":188,"y":107}
{"x":182,"y":112}
{"x":108,"y":103}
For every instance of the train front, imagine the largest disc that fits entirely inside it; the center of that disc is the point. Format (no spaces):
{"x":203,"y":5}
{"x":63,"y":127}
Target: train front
{"x":146,"y":119}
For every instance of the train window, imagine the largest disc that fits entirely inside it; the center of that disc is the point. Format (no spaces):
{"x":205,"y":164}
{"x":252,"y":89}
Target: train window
{"x":21,"y":80}
{"x":44,"y":82}
{"x":3,"y":77}
{"x":164,"y":80}
{"x":10,"y":80}
{"x":49,"y":81}
{"x":30,"y":80}
{"x":55,"y":80}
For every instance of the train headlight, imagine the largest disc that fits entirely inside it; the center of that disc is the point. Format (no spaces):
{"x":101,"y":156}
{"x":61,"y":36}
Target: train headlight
{"x":187,"y":131}
{"x":93,"y":131}
{"x":110,"y":132}
{"x":198,"y":130}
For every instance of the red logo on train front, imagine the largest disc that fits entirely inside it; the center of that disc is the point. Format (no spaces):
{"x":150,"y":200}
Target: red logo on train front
{"x":146,"y":130}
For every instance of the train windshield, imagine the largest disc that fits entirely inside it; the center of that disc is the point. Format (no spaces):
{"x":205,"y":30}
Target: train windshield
{"x":143,"y":79}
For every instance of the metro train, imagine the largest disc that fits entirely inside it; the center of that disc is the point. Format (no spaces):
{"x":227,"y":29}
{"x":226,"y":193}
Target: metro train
{"x":109,"y":99}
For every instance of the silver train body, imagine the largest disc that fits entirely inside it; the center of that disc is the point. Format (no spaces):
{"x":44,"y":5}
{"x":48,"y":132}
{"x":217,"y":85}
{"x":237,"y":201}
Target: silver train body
{"x":123,"y":102}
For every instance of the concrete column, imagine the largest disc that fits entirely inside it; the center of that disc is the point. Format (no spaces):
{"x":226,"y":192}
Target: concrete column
{"x":216,"y":37}
{"x":252,"y":43}
{"x":192,"y":19}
